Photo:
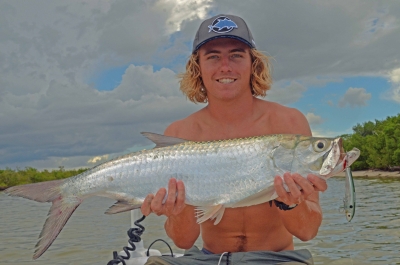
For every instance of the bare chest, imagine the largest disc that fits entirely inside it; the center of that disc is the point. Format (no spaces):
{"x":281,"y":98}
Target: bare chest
{"x":246,"y":229}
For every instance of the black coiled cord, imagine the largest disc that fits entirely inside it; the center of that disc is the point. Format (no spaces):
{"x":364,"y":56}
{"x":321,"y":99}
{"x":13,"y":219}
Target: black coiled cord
{"x":170,"y":249}
{"x":134,"y":236}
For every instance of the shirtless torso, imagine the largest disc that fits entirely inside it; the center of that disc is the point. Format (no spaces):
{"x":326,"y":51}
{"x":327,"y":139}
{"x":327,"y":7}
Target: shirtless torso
{"x":233,"y":112}
{"x":238,"y":229}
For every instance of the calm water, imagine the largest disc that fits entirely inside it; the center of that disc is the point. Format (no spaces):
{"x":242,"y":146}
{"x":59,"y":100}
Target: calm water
{"x":90,"y":237}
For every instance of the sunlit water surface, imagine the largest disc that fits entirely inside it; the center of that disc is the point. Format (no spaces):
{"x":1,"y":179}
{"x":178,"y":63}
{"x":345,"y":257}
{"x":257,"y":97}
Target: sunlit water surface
{"x":90,"y":237}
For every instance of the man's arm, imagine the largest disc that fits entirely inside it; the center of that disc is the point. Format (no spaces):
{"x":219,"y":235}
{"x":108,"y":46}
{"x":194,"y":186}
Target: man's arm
{"x":304,"y":220}
{"x":183,"y":228}
{"x":181,"y":225}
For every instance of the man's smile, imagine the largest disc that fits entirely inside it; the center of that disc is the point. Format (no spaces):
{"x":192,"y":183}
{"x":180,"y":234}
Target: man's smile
{"x":226,"y":80}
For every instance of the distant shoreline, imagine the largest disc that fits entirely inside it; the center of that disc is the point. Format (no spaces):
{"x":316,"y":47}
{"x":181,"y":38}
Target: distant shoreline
{"x":373,"y":174}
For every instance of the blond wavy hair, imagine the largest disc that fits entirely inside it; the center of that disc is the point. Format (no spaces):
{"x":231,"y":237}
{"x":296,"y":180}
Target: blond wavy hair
{"x":191,"y":83}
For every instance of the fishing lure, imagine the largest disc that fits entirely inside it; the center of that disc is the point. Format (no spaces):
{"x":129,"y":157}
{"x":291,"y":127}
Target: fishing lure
{"x":349,"y":200}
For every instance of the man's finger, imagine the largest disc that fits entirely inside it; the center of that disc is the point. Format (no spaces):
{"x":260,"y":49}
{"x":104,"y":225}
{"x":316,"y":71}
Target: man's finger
{"x":280,"y":190}
{"x":293,"y":188}
{"x":171,"y":197}
{"x":180,"y":198}
{"x":306,"y":186}
{"x":319,"y":184}
{"x":146,"y":206}
{"x":157,"y":202}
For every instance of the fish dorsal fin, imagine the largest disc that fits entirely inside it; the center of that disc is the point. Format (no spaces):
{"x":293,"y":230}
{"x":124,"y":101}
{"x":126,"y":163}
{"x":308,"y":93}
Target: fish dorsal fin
{"x":162,"y":140}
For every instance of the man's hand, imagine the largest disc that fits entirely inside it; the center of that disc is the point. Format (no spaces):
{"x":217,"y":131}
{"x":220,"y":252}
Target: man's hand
{"x":174,"y":203}
{"x":299,"y":188}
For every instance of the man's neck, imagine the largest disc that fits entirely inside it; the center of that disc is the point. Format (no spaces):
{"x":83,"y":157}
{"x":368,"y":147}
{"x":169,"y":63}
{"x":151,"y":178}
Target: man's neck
{"x":232,"y":112}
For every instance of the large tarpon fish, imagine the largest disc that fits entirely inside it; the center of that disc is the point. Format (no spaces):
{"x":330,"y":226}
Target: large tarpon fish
{"x":217,"y":174}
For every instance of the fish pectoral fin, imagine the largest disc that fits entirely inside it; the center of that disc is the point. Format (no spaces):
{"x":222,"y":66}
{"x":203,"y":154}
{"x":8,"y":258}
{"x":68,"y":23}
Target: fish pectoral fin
{"x":122,"y":206}
{"x":203,"y":213}
{"x":262,"y":196}
{"x":162,"y":140}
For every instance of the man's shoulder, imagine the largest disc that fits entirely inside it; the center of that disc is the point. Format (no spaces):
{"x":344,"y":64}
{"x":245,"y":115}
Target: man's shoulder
{"x":285,"y":119}
{"x":185,"y":127}
{"x":279,"y":110}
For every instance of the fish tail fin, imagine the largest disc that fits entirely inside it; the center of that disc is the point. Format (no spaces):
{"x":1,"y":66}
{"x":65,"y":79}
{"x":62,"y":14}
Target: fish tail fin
{"x":60,"y":210}
{"x":41,"y":192}
{"x":59,"y":213}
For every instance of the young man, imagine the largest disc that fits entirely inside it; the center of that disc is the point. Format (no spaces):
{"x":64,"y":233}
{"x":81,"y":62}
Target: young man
{"x":227,"y":71}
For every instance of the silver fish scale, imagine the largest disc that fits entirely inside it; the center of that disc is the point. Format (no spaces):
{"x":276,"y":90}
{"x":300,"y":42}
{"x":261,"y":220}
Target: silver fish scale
{"x":218,"y":172}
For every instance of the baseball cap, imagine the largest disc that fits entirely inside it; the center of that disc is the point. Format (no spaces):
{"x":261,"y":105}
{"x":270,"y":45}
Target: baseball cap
{"x":223,"y":26}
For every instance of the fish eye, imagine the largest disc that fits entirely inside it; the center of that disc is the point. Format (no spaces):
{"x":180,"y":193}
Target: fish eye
{"x":320,"y":145}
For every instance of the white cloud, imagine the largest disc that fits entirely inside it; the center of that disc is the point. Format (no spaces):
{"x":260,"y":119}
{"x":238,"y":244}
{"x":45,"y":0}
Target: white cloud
{"x":284,"y":93}
{"x":395,"y":76}
{"x":76,"y":120}
{"x":139,"y":81}
{"x":314,"y":119}
{"x":319,"y":132}
{"x":393,"y":94}
{"x":182,"y":10}
{"x":97,"y":159}
{"x":396,"y":94}
{"x":355,"y":97}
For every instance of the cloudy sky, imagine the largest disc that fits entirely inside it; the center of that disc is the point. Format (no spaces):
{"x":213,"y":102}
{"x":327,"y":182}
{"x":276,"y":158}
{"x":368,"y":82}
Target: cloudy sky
{"x":80,"y":79}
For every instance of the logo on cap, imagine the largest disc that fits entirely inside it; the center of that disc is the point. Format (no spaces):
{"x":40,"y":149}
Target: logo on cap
{"x":222,"y":25}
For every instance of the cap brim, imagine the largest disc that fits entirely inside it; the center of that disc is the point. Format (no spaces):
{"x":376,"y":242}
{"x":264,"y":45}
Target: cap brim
{"x":224,"y":36}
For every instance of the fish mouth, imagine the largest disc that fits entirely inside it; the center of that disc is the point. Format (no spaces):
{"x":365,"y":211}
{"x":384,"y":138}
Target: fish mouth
{"x":333,"y":158}
{"x":337,"y":160}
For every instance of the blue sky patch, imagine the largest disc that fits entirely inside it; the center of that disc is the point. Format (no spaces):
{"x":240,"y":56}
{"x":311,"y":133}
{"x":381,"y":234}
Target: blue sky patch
{"x":324,"y":102}
{"x":109,"y":79}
